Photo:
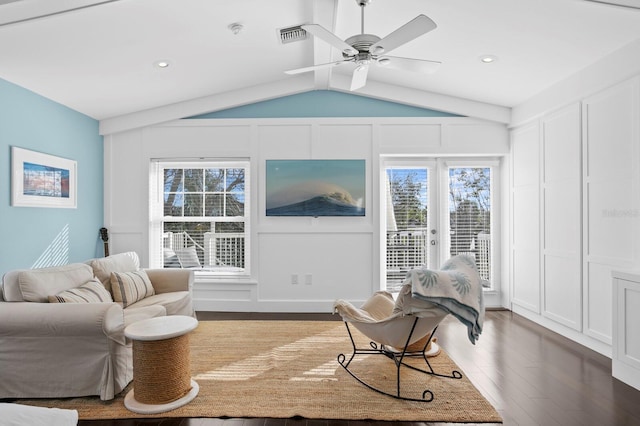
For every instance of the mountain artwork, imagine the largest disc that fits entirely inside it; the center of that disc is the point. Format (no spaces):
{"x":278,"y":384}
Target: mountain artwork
{"x":315,"y":188}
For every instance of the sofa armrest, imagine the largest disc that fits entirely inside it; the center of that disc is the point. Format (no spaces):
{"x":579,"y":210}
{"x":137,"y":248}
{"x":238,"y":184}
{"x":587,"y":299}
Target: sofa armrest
{"x":169,"y":280}
{"x":51,"y":320}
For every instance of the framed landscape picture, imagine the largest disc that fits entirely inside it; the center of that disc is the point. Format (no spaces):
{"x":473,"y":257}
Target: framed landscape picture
{"x":42,"y":180}
{"x":315,"y":187}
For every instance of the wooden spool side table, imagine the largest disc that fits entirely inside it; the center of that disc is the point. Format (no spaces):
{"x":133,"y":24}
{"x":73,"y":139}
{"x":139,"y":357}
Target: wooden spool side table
{"x":161,"y":364}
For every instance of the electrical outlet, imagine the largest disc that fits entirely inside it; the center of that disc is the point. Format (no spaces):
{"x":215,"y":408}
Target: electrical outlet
{"x":308,"y":279}
{"x":294,"y":279}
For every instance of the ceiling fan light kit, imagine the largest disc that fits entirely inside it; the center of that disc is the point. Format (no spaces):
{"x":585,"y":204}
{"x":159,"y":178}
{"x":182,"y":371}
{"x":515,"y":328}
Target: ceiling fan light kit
{"x":364,"y":50}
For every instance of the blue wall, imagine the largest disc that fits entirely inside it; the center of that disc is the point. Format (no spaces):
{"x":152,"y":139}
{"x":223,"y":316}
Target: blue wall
{"x":324,"y":103}
{"x":37,"y":237}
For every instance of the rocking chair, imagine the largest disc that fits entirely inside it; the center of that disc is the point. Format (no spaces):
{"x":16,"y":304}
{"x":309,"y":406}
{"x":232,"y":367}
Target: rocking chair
{"x":405,"y":327}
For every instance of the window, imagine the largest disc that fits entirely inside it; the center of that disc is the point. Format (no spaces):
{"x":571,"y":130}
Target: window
{"x":435,"y":209}
{"x":470,"y":215}
{"x":199,"y":216}
{"x":408,"y":221}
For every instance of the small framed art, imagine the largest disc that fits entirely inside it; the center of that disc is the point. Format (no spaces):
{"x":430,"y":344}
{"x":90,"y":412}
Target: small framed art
{"x":42,"y":180}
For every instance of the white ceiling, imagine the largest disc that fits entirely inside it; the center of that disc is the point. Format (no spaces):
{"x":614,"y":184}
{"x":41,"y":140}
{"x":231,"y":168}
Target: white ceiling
{"x":99,"y":57}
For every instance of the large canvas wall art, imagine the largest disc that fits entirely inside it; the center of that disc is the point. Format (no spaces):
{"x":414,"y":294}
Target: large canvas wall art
{"x":315,"y":188}
{"x":42,"y":180}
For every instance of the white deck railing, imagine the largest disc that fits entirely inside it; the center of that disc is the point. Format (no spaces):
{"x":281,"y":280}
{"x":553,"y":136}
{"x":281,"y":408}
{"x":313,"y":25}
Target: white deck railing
{"x":410,"y":249}
{"x":218,"y":249}
{"x":224,"y":249}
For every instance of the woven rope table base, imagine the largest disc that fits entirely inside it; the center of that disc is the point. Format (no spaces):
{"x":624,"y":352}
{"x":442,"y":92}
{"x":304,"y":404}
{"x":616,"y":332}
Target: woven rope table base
{"x":161,"y":367}
{"x":141,"y":408}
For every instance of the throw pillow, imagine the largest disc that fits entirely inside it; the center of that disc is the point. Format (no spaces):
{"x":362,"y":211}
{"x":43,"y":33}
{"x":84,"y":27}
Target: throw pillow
{"x":170,"y":258}
{"x":121,"y":262}
{"x":129,"y":287}
{"x":91,"y":292}
{"x":188,"y":257}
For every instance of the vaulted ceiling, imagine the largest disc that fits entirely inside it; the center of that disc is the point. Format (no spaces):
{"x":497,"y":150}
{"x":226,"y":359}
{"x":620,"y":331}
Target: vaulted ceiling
{"x":100,"y":57}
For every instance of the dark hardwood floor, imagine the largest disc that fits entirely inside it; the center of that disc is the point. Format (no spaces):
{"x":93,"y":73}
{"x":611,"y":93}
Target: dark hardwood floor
{"x":531,"y":375}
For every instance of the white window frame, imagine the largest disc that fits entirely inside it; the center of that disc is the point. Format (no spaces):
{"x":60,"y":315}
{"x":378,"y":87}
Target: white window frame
{"x":156,"y":209}
{"x":439,"y":193}
{"x":494,"y":165}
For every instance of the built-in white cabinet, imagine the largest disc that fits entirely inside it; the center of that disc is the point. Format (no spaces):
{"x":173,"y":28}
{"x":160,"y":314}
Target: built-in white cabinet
{"x":626,"y":327}
{"x":611,"y":199}
{"x":561,"y":217}
{"x":525,"y":218}
{"x":575,"y":209}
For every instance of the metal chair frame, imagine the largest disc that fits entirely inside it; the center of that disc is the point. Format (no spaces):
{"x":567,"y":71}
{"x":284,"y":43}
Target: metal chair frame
{"x":399,"y":360}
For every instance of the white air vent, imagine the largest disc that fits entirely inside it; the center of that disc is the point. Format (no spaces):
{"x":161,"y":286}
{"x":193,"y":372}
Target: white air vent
{"x":626,"y":3}
{"x":292,"y":34}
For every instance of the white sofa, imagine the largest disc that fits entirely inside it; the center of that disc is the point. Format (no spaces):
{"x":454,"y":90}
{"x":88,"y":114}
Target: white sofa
{"x":54,"y":350}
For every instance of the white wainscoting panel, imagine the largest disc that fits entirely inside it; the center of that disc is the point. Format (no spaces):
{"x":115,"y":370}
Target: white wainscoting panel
{"x":407,"y":139}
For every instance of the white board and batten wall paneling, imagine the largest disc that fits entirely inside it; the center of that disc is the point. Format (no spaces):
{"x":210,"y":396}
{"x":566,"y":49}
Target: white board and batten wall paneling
{"x":561,"y":217}
{"x":525,"y":218}
{"x":575,"y":212}
{"x":444,"y":136}
{"x":328,"y":257}
{"x":611,"y":165}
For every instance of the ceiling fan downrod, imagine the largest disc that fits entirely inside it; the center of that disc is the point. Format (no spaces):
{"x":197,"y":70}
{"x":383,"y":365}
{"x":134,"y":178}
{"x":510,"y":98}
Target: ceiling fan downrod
{"x":362,"y":4}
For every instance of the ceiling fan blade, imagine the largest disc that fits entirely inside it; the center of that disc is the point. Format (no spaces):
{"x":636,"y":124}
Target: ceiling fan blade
{"x":409,"y":64}
{"x":329,"y":37}
{"x":359,"y":78}
{"x":314,"y":67}
{"x":419,"y":25}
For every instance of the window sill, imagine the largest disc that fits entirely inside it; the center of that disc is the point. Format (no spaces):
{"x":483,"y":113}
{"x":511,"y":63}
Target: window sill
{"x":209,"y":278}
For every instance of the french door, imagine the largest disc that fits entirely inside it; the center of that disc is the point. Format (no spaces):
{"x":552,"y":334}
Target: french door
{"x":435,"y":209}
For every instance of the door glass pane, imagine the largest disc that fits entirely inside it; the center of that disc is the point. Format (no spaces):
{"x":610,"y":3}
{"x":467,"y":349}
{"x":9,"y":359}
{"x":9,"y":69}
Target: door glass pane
{"x":407,"y":219}
{"x":470,"y":215}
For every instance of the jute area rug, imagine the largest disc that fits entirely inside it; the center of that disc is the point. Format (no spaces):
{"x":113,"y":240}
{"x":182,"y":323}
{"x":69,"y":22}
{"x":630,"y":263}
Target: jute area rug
{"x":283,"y":369}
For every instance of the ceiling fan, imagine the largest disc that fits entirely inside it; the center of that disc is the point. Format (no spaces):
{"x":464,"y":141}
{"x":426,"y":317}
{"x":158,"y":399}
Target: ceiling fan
{"x":365,"y":50}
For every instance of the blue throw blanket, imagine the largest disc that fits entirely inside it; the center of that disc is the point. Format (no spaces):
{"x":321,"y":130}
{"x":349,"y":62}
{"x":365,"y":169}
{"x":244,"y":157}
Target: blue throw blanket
{"x":456,"y":288}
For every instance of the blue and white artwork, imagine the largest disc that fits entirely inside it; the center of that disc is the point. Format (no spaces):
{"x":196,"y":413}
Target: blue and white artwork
{"x":45,"y":181}
{"x":315,"y":188}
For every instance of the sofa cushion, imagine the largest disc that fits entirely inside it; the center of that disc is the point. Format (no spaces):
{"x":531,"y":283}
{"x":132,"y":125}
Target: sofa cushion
{"x":37,"y":284}
{"x":176,"y":302}
{"x":134,"y":314}
{"x":122,"y":262}
{"x":91,"y":292}
{"x":129,"y":287}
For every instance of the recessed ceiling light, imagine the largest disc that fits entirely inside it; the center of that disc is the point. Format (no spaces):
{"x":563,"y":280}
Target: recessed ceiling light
{"x":487,"y":59}
{"x":161,"y":64}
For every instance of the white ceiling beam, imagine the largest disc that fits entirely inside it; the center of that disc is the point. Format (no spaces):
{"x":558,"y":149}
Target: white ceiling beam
{"x":24,"y":11}
{"x":301,"y":84}
{"x":425,"y":99}
{"x":324,"y":14}
{"x":248,"y":95}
